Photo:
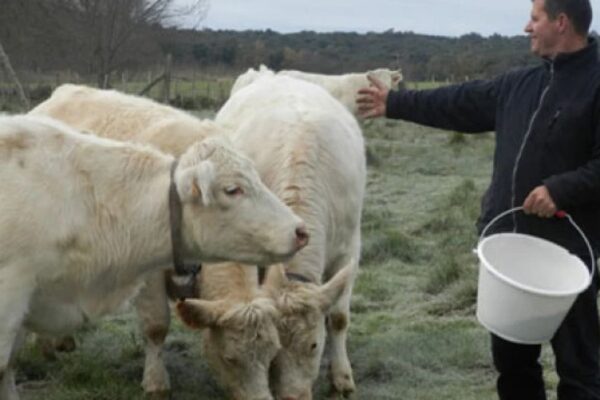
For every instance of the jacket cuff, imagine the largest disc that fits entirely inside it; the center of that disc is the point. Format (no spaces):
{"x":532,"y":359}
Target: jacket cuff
{"x":558,"y":196}
{"x":393,"y":108}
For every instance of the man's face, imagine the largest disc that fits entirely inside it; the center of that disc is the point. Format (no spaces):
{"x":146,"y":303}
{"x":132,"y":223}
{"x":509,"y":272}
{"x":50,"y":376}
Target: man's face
{"x":543,"y":31}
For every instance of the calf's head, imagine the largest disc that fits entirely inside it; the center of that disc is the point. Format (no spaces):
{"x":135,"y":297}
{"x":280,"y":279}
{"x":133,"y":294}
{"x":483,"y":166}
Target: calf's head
{"x":240,"y":341}
{"x":303,"y":308}
{"x":228,"y":213}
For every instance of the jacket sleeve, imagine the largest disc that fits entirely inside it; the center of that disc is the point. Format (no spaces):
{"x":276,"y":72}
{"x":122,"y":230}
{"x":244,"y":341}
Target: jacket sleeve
{"x":582,"y":185}
{"x":469,"y":107}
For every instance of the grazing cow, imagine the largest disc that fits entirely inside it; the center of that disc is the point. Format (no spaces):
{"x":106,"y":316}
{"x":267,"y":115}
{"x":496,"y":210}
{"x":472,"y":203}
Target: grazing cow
{"x":233,"y":312}
{"x":239,"y":324}
{"x":343,"y":87}
{"x":84,"y":219}
{"x":309,"y":151}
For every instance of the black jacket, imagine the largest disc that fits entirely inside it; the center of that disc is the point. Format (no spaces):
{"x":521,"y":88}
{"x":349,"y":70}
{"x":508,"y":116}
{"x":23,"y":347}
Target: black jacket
{"x":547,"y":123}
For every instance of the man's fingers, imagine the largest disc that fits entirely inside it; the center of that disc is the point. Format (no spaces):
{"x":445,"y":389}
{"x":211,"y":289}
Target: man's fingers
{"x":367,"y":91}
{"x":368,"y":112}
{"x":365,"y":100}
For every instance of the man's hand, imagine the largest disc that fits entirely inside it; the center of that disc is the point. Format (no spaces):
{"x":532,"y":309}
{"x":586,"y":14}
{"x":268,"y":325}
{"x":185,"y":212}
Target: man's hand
{"x":371,"y":100}
{"x":540,"y":203}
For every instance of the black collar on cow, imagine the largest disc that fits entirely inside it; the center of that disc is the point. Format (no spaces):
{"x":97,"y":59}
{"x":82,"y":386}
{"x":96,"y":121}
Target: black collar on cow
{"x":184,"y":279}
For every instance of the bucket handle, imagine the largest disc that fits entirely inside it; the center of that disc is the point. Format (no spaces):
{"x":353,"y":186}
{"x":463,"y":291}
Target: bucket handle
{"x":560,"y":215}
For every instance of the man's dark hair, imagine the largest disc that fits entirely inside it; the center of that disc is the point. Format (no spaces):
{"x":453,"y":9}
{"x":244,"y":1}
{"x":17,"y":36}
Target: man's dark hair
{"x":579,"y":13}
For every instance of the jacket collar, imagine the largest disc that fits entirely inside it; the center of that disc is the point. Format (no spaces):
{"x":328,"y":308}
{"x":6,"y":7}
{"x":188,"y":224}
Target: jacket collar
{"x":570,"y":62}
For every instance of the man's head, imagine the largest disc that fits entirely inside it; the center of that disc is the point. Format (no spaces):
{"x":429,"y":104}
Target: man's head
{"x":558,"y":26}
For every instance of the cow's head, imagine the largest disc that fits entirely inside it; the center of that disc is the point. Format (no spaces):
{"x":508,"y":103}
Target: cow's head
{"x":303,"y":308}
{"x":228,"y":213}
{"x":249,"y":77}
{"x":240,"y":341}
{"x":390,"y":78}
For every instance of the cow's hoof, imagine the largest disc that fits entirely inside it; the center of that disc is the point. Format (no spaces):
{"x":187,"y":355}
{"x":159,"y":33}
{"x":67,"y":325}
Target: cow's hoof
{"x":342,"y":385}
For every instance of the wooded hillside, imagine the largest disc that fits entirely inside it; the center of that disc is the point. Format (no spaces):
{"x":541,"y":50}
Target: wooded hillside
{"x":41,"y":37}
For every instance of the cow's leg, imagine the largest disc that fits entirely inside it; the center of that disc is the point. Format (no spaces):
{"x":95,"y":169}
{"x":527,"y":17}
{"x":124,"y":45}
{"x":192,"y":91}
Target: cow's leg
{"x":338,"y":322}
{"x":50,"y":345}
{"x":15,"y":293}
{"x":8,"y":389}
{"x":152,"y":307}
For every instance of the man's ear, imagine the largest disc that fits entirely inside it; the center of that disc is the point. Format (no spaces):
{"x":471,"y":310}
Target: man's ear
{"x":563,"y":22}
{"x":193,"y":184}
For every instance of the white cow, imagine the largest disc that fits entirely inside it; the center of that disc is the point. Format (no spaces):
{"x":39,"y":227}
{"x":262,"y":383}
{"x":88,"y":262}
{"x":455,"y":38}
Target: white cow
{"x":83,"y":219}
{"x":237,"y":319}
{"x":343,"y":87}
{"x":309,"y":150}
{"x":115,"y":115}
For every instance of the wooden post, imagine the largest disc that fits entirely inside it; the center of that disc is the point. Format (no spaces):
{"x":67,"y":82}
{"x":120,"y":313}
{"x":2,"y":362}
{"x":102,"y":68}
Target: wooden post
{"x":5,"y":63}
{"x":167,"y":82}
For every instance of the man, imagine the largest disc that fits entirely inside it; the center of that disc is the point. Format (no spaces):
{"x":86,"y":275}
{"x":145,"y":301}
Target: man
{"x":547,"y":157}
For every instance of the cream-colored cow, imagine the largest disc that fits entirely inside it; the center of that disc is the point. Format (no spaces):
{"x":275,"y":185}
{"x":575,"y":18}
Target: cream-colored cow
{"x":309,"y":150}
{"x":235,"y":312}
{"x":343,"y":87}
{"x":239,"y":320}
{"x":84,"y":219}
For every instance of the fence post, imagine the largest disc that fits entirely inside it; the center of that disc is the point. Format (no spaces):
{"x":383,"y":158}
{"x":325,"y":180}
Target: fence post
{"x":167,"y":82}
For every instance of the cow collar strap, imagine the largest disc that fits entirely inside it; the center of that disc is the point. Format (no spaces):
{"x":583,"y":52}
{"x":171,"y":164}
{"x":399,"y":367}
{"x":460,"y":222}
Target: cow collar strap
{"x":185,"y":275}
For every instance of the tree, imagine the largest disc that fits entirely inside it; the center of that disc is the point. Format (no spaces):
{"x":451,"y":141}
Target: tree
{"x":110,"y":32}
{"x":5,"y":64}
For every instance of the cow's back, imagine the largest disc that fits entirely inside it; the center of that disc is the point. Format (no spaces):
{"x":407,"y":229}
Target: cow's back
{"x":308,"y":149}
{"x":120,"y":116}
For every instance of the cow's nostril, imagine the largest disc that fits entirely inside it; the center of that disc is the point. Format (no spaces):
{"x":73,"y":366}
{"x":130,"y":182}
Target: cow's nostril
{"x":301,"y":238}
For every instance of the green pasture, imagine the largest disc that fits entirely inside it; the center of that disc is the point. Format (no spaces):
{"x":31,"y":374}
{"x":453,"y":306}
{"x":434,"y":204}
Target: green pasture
{"x":413,"y":333}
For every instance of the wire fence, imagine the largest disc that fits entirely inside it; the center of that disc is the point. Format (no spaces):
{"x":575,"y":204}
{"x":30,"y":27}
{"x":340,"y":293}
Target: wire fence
{"x":187,"y":89}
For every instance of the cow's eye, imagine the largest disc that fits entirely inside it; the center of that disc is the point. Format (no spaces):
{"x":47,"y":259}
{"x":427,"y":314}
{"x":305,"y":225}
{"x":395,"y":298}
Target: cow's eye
{"x":313,"y":347}
{"x":233,"y":190}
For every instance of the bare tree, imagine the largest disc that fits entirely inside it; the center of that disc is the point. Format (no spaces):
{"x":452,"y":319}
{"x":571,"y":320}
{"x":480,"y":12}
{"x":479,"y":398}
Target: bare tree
{"x":5,"y":64}
{"x":111,"y":32}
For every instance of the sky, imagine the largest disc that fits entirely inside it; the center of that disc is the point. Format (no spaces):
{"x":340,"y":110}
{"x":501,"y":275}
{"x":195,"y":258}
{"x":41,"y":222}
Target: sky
{"x":434,"y":17}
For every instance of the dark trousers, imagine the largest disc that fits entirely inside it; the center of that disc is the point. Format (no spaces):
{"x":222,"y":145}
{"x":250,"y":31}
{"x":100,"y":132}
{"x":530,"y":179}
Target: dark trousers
{"x":576,"y":345}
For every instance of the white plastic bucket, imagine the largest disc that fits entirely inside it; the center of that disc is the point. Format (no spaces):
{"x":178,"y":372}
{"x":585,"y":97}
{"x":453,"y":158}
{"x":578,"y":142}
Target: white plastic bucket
{"x":527,"y":284}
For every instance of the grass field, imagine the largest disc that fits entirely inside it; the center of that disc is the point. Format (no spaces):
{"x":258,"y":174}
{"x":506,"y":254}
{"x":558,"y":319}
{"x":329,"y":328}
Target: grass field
{"x":413,"y":334}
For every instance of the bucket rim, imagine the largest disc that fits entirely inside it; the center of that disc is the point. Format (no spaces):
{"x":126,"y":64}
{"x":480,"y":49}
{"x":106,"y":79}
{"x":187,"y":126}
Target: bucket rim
{"x":548,"y":293}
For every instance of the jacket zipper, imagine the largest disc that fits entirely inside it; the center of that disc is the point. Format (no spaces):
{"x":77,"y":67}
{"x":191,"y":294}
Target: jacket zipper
{"x":524,"y":142}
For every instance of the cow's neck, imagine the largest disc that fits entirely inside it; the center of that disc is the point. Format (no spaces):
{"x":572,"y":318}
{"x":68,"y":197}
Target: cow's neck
{"x":132,"y":215}
{"x":228,"y":280}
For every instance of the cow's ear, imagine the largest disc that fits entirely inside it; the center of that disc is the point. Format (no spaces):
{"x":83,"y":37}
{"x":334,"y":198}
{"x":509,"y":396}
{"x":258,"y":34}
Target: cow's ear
{"x":200,"y":314}
{"x":396,"y":78}
{"x":332,"y":291}
{"x":275,"y":280}
{"x":193,"y":183}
